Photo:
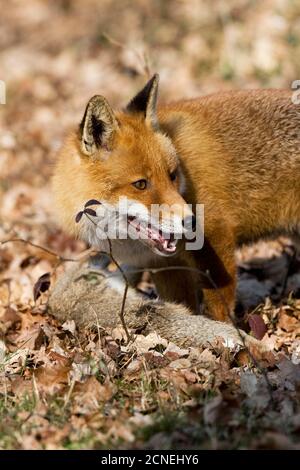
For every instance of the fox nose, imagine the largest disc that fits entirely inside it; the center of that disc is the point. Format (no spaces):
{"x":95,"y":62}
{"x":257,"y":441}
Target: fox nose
{"x":189,"y":223}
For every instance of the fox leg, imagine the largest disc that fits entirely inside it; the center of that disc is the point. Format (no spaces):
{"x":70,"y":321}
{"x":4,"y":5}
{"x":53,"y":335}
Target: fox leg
{"x":217,"y":260}
{"x":178,"y":286}
{"x":296,"y":241}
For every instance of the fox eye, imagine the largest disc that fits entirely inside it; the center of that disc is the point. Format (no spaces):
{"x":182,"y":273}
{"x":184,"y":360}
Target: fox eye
{"x":140,"y":184}
{"x":173,"y":175}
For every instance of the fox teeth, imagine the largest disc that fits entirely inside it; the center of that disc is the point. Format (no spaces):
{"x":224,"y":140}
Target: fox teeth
{"x":154,"y":236}
{"x":168,"y":245}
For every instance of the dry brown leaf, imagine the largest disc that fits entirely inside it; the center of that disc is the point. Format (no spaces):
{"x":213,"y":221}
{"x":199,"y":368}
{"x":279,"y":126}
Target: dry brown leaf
{"x":31,"y":338}
{"x":89,"y":394}
{"x":70,"y":326}
{"x":143,"y":344}
{"x":288,"y":322}
{"x":50,"y":380}
{"x":180,"y":364}
{"x":21,"y":387}
{"x":155,"y":359}
{"x":257,"y":325}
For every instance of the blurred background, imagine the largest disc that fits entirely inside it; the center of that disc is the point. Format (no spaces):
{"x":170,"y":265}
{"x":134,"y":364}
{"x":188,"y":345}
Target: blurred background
{"x":55,"y":55}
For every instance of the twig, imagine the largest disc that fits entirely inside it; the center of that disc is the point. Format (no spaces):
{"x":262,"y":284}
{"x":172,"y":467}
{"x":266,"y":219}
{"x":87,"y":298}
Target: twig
{"x":122,"y":311}
{"x":60,"y":258}
{"x":110,"y":254}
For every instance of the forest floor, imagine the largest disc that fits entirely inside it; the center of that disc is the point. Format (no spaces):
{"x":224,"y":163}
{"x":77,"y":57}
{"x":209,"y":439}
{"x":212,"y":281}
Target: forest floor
{"x":61,"y":388}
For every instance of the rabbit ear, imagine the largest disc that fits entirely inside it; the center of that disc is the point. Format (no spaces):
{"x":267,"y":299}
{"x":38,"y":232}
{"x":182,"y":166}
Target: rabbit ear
{"x":97,"y":126}
{"x":145,"y":101}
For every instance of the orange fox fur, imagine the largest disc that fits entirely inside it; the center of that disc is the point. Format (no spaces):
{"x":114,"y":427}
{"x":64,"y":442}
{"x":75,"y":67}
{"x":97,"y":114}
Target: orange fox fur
{"x":238,"y":153}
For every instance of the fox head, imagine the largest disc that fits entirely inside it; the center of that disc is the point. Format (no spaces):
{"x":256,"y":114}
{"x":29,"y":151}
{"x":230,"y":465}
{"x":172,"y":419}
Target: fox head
{"x":117,"y":156}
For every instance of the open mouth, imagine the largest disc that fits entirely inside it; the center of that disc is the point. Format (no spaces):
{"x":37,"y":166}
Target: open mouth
{"x":153,"y":237}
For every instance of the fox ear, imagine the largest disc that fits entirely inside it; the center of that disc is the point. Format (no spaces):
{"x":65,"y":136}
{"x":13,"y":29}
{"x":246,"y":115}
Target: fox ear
{"x":97,"y":126}
{"x":145,"y":101}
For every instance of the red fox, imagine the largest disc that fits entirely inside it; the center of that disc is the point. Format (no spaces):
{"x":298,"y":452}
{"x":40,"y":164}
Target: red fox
{"x":237,"y":153}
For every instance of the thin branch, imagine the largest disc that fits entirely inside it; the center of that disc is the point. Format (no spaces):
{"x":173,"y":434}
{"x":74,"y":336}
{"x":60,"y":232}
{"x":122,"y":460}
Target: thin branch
{"x":113,"y":259}
{"x":60,"y":258}
{"x":122,"y":311}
